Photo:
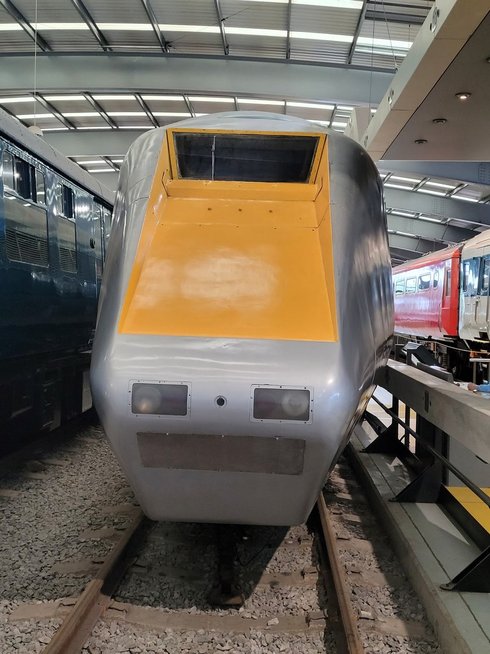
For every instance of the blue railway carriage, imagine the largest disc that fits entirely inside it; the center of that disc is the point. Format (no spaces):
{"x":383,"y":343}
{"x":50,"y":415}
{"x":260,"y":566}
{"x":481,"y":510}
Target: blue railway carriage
{"x":54,"y":225}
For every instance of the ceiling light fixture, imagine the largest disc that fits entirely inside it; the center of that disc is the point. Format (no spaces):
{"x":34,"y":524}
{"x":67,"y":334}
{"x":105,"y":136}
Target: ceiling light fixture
{"x":439,"y":121}
{"x":420,"y":141}
{"x":463,"y":95}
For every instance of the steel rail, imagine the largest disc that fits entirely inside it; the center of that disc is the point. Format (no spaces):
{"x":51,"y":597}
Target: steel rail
{"x":95,"y":598}
{"x":349,"y":621}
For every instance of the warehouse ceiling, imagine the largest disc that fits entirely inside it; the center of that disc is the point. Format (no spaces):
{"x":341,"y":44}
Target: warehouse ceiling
{"x":93,"y":85}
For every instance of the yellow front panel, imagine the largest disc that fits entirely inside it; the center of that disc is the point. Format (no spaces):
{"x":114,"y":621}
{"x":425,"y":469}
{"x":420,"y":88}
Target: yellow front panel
{"x":215,"y":262}
{"x":232,"y":281}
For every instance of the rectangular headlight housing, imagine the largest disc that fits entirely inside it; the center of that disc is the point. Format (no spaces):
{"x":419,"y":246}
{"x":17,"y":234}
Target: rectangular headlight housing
{"x":159,"y":399}
{"x":281,"y":404}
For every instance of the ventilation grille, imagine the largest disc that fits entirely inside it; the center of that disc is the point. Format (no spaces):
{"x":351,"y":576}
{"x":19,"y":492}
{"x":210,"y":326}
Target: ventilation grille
{"x":26,"y":248}
{"x":68,"y":259}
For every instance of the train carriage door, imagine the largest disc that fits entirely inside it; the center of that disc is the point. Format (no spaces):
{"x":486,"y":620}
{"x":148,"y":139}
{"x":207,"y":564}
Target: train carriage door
{"x":470,"y":298}
{"x":482,"y":308}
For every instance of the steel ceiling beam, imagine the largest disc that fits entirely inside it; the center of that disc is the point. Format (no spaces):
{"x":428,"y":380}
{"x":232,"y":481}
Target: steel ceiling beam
{"x":442,"y":207}
{"x":473,"y":172}
{"x":288,"y":29}
{"x":95,"y":105}
{"x":221,"y":24}
{"x":403,"y":255}
{"x":413,"y":244}
{"x":360,"y":23}
{"x":426,"y":229}
{"x":25,"y":24}
{"x":164,"y":45}
{"x":231,"y":76}
{"x":51,"y":108}
{"x":147,"y":110}
{"x":92,"y":25}
{"x":395,"y":17}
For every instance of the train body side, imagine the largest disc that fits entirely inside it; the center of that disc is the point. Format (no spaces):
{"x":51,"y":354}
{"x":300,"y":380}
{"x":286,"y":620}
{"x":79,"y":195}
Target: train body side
{"x":426,"y":295}
{"x":197,"y":292}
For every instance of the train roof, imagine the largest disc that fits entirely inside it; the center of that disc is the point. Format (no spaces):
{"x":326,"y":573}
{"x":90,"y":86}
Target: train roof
{"x":251,"y":121}
{"x":478,"y":241}
{"x":19,"y":134}
{"x":428,"y":259}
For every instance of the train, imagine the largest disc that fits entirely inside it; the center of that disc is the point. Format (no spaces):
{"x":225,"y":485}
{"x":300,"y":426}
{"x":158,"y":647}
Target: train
{"x":442,"y":298}
{"x":245,"y":307}
{"x":54,"y":224}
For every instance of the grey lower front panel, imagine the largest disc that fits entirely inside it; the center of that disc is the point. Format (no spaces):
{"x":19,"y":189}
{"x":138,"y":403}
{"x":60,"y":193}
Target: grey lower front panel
{"x":272,"y":455}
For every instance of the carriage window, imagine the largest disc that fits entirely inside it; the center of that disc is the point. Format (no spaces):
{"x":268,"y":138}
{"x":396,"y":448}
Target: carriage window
{"x":400,"y":287}
{"x":244,"y":157}
{"x":7,"y":171}
{"x":485,"y":276}
{"x":424,"y":282}
{"x":448,"y":281}
{"x":411,"y":285}
{"x":435,"y":282}
{"x":40,"y":188}
{"x":471,"y":274}
{"x":24,"y":179}
{"x":65,"y":203}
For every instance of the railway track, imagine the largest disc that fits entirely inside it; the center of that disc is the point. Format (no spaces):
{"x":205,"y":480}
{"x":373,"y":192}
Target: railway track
{"x":151,"y":592}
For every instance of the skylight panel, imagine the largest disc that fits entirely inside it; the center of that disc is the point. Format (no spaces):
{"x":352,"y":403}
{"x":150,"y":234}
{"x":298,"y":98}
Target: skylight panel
{"x":384,"y":43}
{"x":34,"y":116}
{"x":81,"y":114}
{"x":120,"y":114}
{"x":164,"y":98}
{"x":172,"y":114}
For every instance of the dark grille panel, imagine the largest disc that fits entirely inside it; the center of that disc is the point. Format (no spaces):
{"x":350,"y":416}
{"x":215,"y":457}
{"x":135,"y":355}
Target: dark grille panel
{"x":26,"y":248}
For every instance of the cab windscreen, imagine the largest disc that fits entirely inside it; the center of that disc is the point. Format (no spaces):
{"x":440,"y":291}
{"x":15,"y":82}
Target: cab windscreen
{"x":244,"y":157}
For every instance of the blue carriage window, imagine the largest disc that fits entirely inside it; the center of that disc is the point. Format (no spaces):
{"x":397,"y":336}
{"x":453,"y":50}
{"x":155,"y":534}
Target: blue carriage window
{"x":411,"y":285}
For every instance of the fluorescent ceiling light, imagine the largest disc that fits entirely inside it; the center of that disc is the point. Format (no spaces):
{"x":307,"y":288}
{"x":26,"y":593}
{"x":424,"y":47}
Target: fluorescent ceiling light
{"x":405,"y":214}
{"x":310,"y":105}
{"x":55,"y":129}
{"x":336,"y":4}
{"x":117,"y":161}
{"x":113,"y":97}
{"x":13,"y":100}
{"x":253,"y":31}
{"x":115,"y":114}
{"x":10,"y":27}
{"x":409,"y":180}
{"x":199,"y":115}
{"x":337,"y":124}
{"x":139,"y":127}
{"x":172,"y":114}
{"x":384,"y":43}
{"x":203,"y":98}
{"x":61,"y":26}
{"x":101,"y":170}
{"x":89,"y":163}
{"x":34,"y":116}
{"x":466,"y":198}
{"x":81,"y":114}
{"x":403,"y":188}
{"x":343,"y":107}
{"x":272,"y":103}
{"x":440,"y":185}
{"x":64,"y":98}
{"x":319,"y":122}
{"x":165,"y":98}
{"x":92,"y":127}
{"x":430,"y":192}
{"x":321,"y":36}
{"x":406,"y":234}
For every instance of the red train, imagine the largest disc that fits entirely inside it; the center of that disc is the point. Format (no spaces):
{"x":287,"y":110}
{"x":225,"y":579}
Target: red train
{"x":444,"y":297}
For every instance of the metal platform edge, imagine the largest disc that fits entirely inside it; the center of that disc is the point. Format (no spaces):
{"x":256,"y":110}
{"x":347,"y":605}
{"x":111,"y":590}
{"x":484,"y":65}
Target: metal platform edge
{"x":456,"y":628}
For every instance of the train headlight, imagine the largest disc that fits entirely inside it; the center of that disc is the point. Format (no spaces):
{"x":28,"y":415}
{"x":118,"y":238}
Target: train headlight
{"x":160,"y":399}
{"x":281,"y":404}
